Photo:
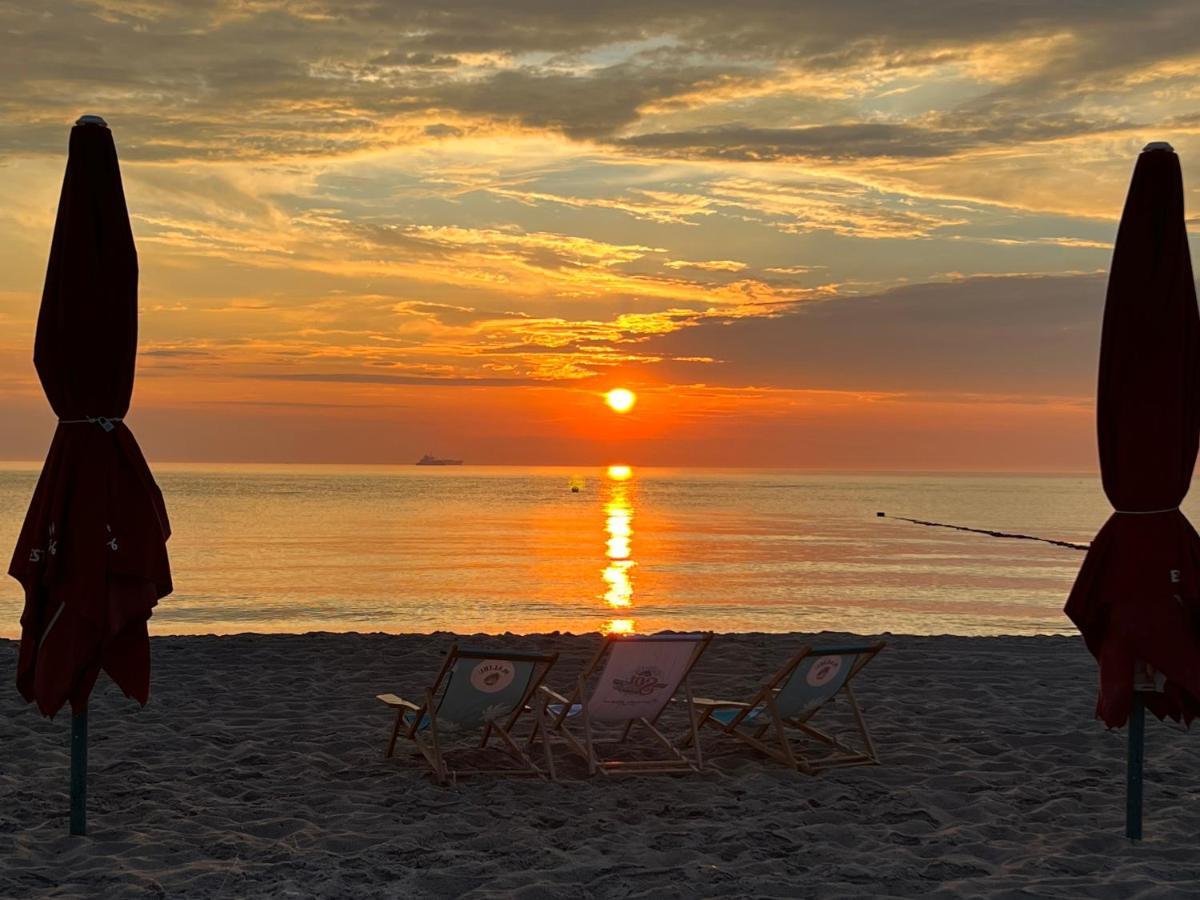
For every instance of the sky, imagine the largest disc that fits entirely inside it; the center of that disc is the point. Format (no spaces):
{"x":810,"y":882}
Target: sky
{"x":867,"y":235}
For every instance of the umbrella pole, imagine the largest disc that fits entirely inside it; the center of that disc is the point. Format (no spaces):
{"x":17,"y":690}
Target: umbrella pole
{"x":79,"y":773}
{"x":1133,"y":770}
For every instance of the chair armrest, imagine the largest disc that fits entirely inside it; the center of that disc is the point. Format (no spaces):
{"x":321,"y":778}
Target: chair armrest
{"x":554,"y":695}
{"x":393,"y":700}
{"x":705,"y":701}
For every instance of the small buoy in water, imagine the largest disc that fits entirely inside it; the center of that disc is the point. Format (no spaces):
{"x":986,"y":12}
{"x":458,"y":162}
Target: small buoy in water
{"x":574,"y":489}
{"x":880,"y":515}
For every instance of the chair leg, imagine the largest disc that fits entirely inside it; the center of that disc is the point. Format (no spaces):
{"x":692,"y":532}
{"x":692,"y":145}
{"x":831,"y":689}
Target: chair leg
{"x":862,"y":725}
{"x":625,"y":731}
{"x":695,"y":731}
{"x":537,"y":726}
{"x":517,"y":750}
{"x":785,"y":745}
{"x":439,"y":764}
{"x":697,"y":724}
{"x":546,"y":749}
{"x":436,"y":760}
{"x":592,"y":760}
{"x":391,"y":747}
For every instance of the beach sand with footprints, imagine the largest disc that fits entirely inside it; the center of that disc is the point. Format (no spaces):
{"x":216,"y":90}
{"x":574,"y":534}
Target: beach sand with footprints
{"x":257,"y":769}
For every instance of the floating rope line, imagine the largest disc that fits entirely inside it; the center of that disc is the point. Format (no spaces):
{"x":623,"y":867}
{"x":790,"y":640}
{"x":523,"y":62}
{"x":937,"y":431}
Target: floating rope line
{"x":999,"y":534}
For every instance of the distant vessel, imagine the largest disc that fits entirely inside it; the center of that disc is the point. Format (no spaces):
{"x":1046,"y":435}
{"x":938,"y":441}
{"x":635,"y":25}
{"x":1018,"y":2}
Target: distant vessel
{"x":428,"y":460}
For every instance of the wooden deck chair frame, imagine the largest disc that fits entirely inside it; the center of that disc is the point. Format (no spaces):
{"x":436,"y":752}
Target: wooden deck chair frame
{"x":554,"y":716}
{"x":429,"y":739}
{"x":771,"y":736}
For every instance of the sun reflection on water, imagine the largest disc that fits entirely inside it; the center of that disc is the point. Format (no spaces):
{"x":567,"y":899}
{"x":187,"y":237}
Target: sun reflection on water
{"x":618,"y":526}
{"x":617,"y":626}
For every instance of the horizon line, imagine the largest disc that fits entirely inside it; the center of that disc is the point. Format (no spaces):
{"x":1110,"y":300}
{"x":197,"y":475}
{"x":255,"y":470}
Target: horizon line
{"x":899,"y":470}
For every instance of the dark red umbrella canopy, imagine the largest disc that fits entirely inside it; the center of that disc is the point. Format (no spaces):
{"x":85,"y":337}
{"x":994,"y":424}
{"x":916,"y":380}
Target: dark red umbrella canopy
{"x":92,"y":554}
{"x":1137,"y":596}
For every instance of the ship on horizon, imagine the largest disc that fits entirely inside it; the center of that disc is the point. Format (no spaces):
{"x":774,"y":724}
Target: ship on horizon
{"x":428,"y":460}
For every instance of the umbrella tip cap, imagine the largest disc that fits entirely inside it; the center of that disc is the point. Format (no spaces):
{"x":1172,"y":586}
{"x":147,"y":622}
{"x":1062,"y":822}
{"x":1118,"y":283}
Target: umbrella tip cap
{"x":91,"y":120}
{"x":1158,"y":145}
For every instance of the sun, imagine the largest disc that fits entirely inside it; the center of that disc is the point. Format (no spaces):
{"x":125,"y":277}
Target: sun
{"x":620,"y":399}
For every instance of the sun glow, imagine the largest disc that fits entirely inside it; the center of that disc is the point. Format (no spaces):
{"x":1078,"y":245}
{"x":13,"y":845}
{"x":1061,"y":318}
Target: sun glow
{"x":620,"y":473}
{"x":620,"y":399}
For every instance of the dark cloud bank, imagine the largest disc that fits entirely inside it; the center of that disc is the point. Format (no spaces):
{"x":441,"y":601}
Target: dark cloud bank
{"x":1034,"y":336}
{"x":204,"y":80}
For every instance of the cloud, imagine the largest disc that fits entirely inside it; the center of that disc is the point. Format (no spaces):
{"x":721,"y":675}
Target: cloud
{"x":663,"y":207}
{"x":442,"y":130}
{"x":223,"y":80}
{"x":864,"y":139}
{"x":595,"y":104}
{"x":385,"y":378}
{"x":944,"y":136}
{"x":707,"y":265}
{"x":456,"y":316}
{"x":804,"y":206}
{"x":793,"y":270}
{"x":1032,"y":336}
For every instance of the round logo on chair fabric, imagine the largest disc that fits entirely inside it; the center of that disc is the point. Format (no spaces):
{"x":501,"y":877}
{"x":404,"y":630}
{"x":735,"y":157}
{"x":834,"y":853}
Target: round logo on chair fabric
{"x":824,"y":670}
{"x":492,"y":675}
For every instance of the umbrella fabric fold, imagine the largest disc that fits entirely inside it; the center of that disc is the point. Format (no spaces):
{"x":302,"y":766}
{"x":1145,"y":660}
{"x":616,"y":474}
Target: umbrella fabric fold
{"x":91,"y":555}
{"x":1136,"y":598}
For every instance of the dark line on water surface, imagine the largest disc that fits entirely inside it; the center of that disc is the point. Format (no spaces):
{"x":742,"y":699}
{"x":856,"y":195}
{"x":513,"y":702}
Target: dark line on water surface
{"x":999,"y":534}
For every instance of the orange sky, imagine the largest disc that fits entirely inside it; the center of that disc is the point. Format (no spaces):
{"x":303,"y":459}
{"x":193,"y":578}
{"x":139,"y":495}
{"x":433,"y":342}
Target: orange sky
{"x":852,"y":237}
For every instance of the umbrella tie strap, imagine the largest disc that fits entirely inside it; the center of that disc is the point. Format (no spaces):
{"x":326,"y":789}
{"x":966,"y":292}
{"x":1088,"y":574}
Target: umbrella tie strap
{"x":1144,"y":512}
{"x":108,"y":424}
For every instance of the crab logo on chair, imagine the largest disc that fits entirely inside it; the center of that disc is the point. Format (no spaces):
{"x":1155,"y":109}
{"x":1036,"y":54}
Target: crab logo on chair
{"x":492,"y":676}
{"x":824,"y":670}
{"x":644,"y":681}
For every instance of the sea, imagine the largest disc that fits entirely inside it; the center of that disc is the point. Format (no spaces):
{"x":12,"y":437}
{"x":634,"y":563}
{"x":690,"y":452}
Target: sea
{"x":468,"y":549}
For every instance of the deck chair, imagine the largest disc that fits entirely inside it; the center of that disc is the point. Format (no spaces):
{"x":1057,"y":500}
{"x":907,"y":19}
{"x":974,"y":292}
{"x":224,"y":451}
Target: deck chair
{"x":480,"y":692}
{"x":784,"y":706}
{"x":629,"y":682}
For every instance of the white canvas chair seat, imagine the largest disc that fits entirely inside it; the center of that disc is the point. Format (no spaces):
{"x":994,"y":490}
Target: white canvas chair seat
{"x":478,"y":693}
{"x":781,"y":710}
{"x":628,"y":683}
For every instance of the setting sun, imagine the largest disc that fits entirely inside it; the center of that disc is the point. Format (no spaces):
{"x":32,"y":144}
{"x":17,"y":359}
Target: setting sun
{"x":620,"y":399}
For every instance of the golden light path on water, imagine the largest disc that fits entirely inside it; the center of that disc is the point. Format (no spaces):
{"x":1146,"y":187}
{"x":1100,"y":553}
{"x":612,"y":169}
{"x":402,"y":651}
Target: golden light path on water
{"x":618,"y":549}
{"x":405,"y":549}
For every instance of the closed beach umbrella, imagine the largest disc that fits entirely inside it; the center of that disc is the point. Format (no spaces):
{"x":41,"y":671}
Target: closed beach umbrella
{"x":1137,"y":596}
{"x":91,"y":555}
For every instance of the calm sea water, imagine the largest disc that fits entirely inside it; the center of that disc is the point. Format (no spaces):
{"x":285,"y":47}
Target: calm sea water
{"x":469,"y":549}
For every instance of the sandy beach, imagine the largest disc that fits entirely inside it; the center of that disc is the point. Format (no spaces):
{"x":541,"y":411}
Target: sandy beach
{"x":258,"y":770}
